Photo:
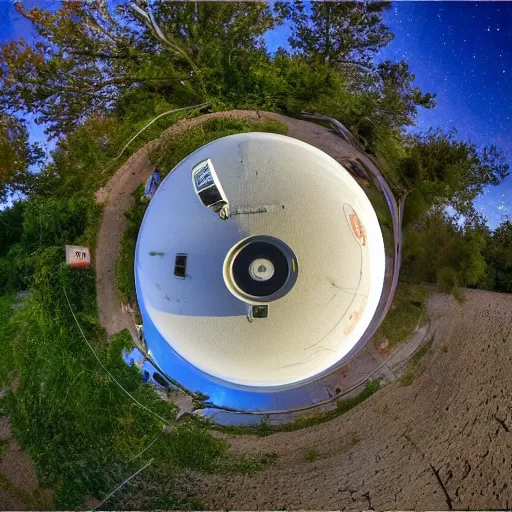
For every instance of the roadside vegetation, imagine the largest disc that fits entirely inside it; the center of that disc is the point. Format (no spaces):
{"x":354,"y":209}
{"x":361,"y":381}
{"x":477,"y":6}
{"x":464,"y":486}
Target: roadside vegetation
{"x":407,"y":310}
{"x":125,"y":276}
{"x":415,"y":366}
{"x":312,"y":455}
{"x":82,"y":430}
{"x":264,"y":428}
{"x":97,"y":75}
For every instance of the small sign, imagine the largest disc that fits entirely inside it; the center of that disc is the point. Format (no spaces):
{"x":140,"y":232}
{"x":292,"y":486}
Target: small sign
{"x":77,"y":256}
{"x":203,"y":176}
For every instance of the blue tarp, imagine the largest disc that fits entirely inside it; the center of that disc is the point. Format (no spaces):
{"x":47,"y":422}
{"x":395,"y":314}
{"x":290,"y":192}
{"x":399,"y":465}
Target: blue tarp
{"x":152,"y":184}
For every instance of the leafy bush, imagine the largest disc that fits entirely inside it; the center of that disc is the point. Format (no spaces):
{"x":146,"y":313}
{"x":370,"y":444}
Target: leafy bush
{"x":125,"y":278}
{"x":405,"y":313}
{"x":447,"y":280}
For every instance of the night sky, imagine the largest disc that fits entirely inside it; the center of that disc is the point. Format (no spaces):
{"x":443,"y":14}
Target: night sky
{"x":460,"y":50}
{"x":463,"y":52}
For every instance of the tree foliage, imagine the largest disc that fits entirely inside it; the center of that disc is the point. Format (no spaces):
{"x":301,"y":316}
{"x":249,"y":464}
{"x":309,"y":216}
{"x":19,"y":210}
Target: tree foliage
{"x":448,"y":171}
{"x":80,"y":62}
{"x":399,"y":99}
{"x":17,"y":154}
{"x":339,"y":33}
{"x":88,"y":54}
{"x":499,"y":257}
{"x":346,"y":36}
{"x":438,"y":249}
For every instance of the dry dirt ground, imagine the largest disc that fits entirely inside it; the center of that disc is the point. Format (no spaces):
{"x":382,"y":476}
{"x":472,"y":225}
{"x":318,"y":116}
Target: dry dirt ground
{"x":19,"y":488}
{"x":443,"y":442}
{"x":117,"y":198}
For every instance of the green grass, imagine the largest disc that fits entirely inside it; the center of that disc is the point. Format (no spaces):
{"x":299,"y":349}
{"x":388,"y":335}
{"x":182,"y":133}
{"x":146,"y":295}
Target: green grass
{"x":413,"y":368}
{"x":80,"y":428}
{"x":312,"y":455}
{"x":3,"y":446}
{"x":307,"y":420}
{"x":405,"y":313}
{"x":6,"y":334}
{"x":125,"y":277}
{"x":168,"y":153}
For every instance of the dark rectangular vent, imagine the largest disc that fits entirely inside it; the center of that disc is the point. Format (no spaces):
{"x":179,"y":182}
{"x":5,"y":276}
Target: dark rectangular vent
{"x":260,"y":311}
{"x":180,"y":266}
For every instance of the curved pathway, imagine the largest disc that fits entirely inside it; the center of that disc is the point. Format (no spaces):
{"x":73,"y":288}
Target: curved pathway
{"x":347,"y":380}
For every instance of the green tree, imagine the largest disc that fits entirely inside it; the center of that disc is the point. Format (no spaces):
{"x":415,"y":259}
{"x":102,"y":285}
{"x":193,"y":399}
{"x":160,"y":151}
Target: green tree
{"x":11,"y":228}
{"x":223,"y":39}
{"x":398,"y":98}
{"x":89,"y":54}
{"x":346,"y":36}
{"x":82,"y":59}
{"x":499,"y":257}
{"x":448,"y":171}
{"x":17,"y":154}
{"x":438,"y":250}
{"x":339,"y":33}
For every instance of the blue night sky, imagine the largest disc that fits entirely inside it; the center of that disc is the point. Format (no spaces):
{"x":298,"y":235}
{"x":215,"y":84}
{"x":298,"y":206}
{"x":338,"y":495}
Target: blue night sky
{"x":460,"y":50}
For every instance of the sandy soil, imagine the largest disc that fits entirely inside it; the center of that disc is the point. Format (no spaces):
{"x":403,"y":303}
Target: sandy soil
{"x":443,"y":442}
{"x":19,"y":488}
{"x":117,"y":198}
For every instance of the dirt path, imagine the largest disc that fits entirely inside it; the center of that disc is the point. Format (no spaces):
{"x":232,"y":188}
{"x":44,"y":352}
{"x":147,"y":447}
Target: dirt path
{"x":443,"y":442}
{"x":19,"y":488}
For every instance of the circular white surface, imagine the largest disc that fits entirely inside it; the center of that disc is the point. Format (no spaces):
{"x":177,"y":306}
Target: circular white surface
{"x":276,"y":186}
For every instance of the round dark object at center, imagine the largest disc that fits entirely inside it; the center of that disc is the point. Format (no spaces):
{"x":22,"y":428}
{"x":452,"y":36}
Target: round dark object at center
{"x":251,"y":252}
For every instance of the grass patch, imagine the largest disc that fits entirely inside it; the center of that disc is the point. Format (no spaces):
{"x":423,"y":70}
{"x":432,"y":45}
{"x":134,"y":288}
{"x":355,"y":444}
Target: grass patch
{"x":312,"y":455}
{"x":6,"y":362}
{"x":413,"y":368}
{"x":125,"y":277}
{"x":405,"y":313}
{"x":167,"y":154}
{"x":80,"y":428}
{"x":307,"y":420}
{"x":4,"y":443}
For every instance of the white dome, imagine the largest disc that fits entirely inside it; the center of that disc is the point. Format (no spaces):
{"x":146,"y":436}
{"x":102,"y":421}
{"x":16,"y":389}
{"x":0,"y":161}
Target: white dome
{"x":278,"y":187}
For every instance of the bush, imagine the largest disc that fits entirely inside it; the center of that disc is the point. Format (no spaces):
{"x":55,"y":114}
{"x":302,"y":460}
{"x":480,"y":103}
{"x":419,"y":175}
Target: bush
{"x":447,"y":280}
{"x":407,"y":309}
{"x":125,"y":278}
